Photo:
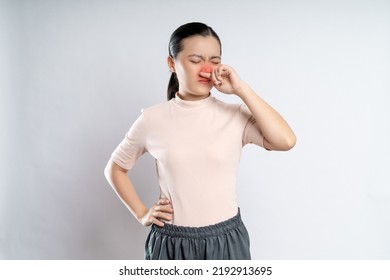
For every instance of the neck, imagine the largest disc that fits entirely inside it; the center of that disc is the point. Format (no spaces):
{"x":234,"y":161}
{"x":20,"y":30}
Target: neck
{"x":192,"y":97}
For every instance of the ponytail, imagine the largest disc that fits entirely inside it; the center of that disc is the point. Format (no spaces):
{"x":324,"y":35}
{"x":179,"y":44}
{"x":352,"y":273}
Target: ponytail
{"x":173,"y":87}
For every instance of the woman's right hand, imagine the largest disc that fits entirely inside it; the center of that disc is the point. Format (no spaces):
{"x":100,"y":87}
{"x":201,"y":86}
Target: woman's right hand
{"x":159,"y":213}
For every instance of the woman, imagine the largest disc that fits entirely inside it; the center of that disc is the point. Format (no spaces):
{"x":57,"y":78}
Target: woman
{"x":196,"y":141}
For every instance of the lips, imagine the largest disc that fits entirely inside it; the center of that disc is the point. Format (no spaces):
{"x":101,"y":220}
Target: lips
{"x":204,"y":81}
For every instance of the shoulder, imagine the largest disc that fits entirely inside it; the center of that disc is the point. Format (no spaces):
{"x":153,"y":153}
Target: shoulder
{"x":156,"y":110}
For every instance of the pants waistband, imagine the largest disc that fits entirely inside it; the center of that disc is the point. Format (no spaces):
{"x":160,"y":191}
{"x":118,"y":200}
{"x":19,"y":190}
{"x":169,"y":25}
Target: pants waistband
{"x":200,"y":232}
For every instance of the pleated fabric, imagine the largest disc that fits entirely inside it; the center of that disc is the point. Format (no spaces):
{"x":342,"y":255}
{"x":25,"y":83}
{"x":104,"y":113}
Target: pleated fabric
{"x":228,"y":240}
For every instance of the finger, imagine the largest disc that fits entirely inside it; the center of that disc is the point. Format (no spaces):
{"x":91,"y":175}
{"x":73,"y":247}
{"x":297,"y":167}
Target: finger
{"x":164,"y":208}
{"x":214,"y":78}
{"x":205,"y":75}
{"x":220,"y":70}
{"x":166,"y":217}
{"x":163,"y":201}
{"x":162,"y":216}
{"x":223,"y":71}
{"x":157,"y":222}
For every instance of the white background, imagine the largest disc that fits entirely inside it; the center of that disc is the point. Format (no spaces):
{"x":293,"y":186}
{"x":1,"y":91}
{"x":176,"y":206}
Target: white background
{"x":75,"y":75}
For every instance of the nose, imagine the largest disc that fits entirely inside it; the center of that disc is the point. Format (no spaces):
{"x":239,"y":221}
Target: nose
{"x":207,"y":69}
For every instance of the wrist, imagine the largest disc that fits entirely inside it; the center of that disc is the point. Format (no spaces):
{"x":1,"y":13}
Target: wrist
{"x":243,"y":91}
{"x":141,"y":215}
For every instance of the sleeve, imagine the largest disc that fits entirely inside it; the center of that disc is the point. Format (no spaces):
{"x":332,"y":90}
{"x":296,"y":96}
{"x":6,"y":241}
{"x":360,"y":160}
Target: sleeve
{"x":132,"y":146}
{"x":251,"y":134}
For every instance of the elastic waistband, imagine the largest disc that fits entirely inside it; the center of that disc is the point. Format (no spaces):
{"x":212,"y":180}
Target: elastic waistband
{"x":200,"y":232}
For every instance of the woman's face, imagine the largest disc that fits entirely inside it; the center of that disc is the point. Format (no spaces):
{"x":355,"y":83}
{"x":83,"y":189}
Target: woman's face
{"x":199,"y":54}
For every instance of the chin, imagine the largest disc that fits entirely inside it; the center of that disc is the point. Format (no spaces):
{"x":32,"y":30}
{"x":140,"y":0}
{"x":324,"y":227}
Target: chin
{"x":203,"y":91}
{"x":198,"y":92}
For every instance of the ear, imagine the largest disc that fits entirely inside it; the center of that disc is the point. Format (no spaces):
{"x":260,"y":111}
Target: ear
{"x":171,"y":63}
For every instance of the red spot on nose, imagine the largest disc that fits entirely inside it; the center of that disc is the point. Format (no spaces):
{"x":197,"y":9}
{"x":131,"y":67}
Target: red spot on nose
{"x":206,"y":69}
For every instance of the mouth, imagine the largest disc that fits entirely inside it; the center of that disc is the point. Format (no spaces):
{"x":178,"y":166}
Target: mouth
{"x":204,"y":81}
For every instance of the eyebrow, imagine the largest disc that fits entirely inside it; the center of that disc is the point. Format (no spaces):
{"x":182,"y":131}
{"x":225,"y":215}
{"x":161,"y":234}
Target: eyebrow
{"x":201,"y":57}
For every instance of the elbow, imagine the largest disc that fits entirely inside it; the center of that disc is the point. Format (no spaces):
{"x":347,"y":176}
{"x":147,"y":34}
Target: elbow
{"x":290,"y":142}
{"x":284,"y":144}
{"x":108,"y":171}
{"x":113,"y":170}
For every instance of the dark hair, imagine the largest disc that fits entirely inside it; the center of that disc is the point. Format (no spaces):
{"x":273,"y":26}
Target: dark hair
{"x":175,"y":46}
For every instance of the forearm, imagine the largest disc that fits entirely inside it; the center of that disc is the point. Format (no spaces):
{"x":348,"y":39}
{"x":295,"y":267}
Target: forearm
{"x":277,"y":133}
{"x":125,"y":190}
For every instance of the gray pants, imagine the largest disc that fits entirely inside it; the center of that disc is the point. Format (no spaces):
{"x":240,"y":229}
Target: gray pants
{"x":228,"y":240}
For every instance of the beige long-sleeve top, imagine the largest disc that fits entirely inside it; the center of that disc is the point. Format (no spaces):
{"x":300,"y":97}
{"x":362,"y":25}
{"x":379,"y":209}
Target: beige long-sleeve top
{"x":197,"y":147}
